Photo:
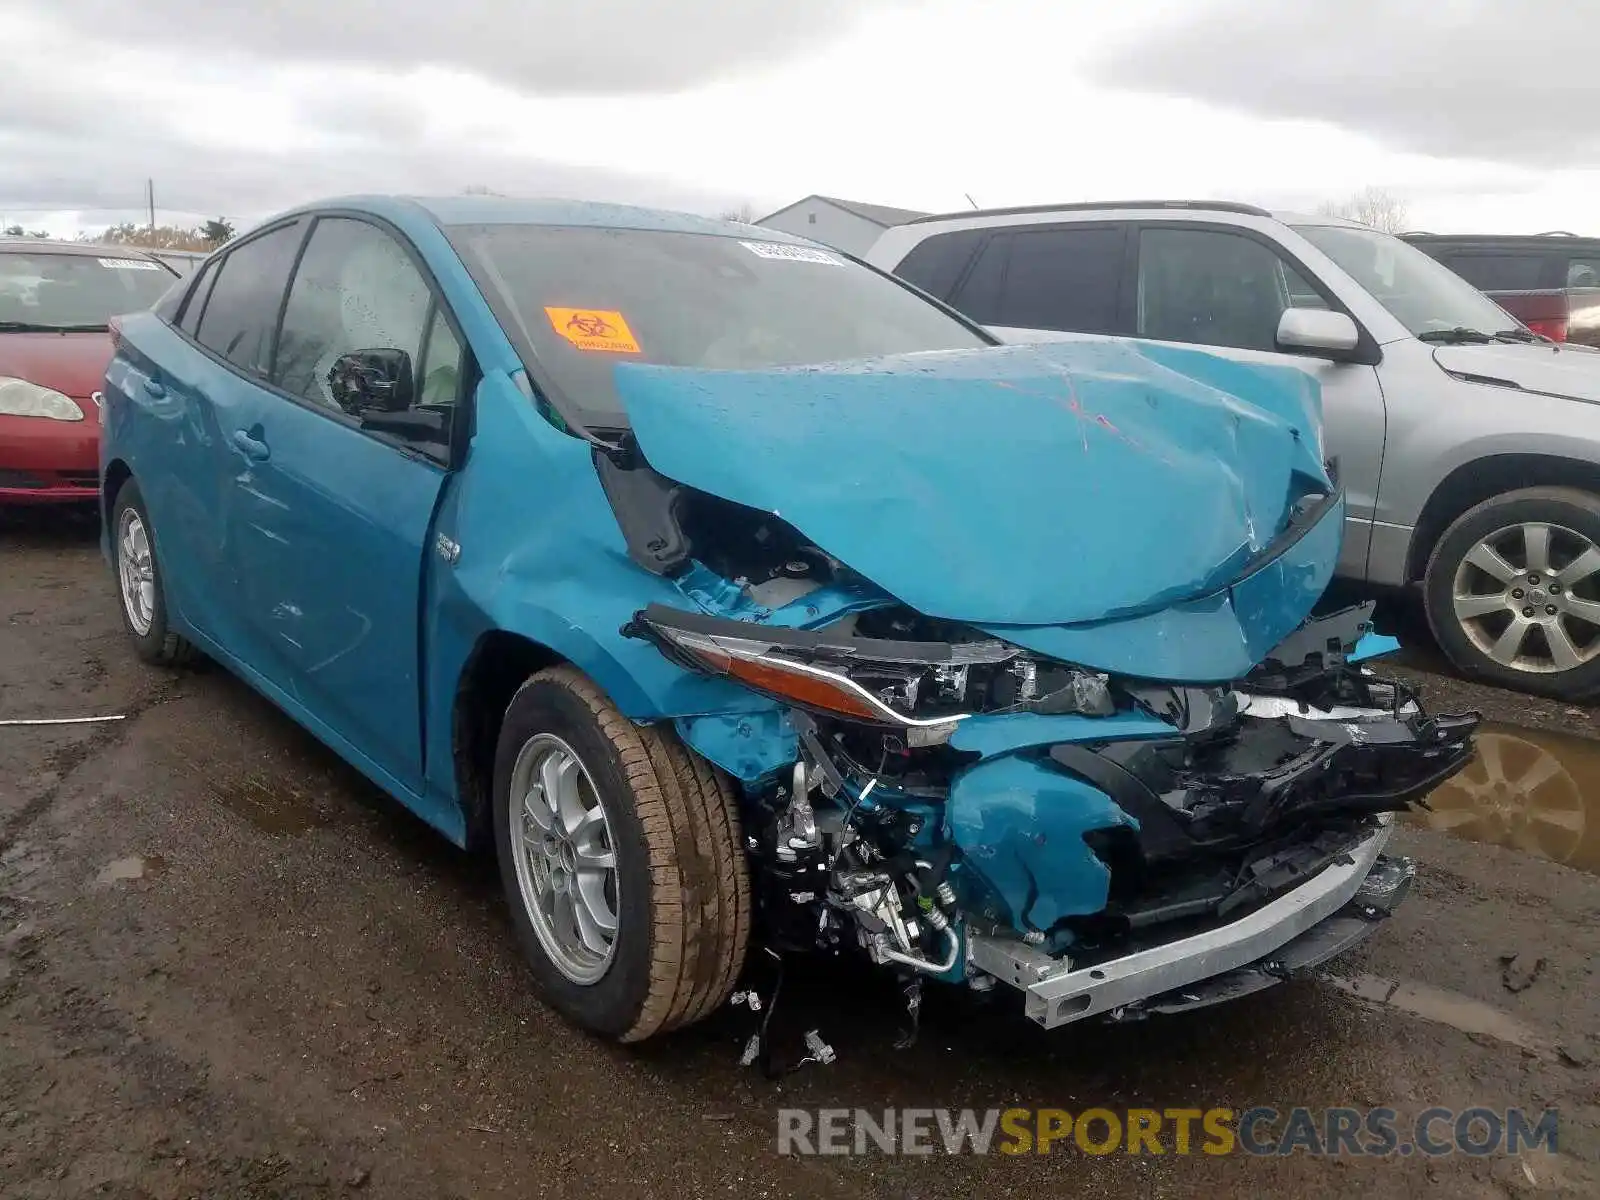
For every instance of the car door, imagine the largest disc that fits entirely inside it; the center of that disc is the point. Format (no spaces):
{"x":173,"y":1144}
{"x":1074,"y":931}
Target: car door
{"x":336,"y":517}
{"x":198,"y":395}
{"x":1226,"y":289}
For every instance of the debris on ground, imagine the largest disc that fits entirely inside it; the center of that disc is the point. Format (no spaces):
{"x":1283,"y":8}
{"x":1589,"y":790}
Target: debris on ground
{"x":1519,"y":971}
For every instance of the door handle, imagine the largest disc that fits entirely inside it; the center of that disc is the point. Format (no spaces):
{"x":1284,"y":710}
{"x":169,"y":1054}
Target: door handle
{"x":153,"y":388}
{"x":253,"y":447}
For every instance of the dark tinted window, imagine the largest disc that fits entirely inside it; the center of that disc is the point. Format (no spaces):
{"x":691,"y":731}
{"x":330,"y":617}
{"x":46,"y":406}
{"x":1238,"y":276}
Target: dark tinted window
{"x":189,"y":315}
{"x":1066,"y":279}
{"x":578,"y":301}
{"x":356,"y":289}
{"x":1498,"y":272}
{"x":242,"y":310}
{"x":935,"y":265}
{"x":1211,"y":288}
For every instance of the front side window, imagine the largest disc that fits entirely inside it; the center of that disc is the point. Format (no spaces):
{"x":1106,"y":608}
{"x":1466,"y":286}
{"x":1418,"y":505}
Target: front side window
{"x":576,"y":301}
{"x":242,"y":309}
{"x":1423,"y":295}
{"x":356,"y":289}
{"x":439,"y":369}
{"x":1210,"y":288}
{"x":47,"y":291}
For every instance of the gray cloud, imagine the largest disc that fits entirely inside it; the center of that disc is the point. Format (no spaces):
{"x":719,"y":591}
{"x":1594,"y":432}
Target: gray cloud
{"x":549,"y":47}
{"x":78,"y":142}
{"x":1499,"y":80}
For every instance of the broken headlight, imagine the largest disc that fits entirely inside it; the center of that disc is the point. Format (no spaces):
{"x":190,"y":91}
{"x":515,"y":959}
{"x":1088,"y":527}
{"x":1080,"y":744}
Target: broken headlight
{"x":921,"y":687}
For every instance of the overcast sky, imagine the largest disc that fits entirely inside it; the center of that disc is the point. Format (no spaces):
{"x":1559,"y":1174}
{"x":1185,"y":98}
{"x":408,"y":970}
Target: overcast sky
{"x":1479,"y":113}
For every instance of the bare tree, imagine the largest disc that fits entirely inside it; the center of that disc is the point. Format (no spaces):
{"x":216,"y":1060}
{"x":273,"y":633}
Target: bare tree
{"x":1372,"y":206}
{"x":745,"y":213}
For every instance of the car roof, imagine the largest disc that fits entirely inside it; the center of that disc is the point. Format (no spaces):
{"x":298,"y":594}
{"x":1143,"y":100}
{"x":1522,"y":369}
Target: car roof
{"x":1089,"y":209}
{"x":1556,"y":238}
{"x":85,"y":249}
{"x":509,"y":210}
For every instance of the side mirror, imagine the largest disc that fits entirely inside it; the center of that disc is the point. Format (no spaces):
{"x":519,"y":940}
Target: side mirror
{"x":1318,"y":331}
{"x":372,"y":381}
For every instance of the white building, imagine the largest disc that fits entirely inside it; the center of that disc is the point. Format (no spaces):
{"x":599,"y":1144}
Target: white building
{"x":843,"y":224}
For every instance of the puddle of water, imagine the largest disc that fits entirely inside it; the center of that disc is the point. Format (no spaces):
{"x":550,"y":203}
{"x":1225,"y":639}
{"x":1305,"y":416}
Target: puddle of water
{"x":278,"y":810}
{"x":1529,"y":789}
{"x":134,"y":866}
{"x":1437,"y":1004}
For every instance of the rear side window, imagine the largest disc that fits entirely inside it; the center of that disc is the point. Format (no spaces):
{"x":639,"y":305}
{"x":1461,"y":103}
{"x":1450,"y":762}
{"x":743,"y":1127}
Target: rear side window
{"x":1583,"y":273}
{"x":1061,"y":279}
{"x":936,"y":264}
{"x":242,"y":311}
{"x":1499,"y":272}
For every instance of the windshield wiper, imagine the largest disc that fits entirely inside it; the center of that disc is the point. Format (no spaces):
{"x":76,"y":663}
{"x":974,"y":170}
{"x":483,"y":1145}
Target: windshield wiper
{"x":34,"y":327}
{"x":1518,"y":335}
{"x":1460,"y":335}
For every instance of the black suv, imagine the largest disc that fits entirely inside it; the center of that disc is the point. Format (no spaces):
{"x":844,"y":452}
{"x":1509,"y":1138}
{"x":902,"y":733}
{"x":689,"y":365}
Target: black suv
{"x":1550,"y":281}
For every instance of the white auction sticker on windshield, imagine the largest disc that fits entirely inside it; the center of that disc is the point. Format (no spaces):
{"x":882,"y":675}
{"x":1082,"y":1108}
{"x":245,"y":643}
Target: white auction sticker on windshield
{"x":787,"y":253}
{"x":129,"y":264}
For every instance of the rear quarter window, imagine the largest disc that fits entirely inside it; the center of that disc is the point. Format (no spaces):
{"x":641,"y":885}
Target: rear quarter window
{"x":936,"y":264}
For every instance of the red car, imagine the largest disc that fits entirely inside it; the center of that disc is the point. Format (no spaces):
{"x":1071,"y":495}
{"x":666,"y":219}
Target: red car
{"x":56,"y":302}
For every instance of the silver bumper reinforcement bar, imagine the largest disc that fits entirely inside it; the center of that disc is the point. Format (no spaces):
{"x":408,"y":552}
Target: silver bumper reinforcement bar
{"x":1057,"y":994}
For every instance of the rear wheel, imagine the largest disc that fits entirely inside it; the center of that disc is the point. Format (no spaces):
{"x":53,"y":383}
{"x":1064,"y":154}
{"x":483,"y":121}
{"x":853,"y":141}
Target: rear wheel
{"x":622,"y":860}
{"x":1513,"y":591}
{"x":139,"y":585}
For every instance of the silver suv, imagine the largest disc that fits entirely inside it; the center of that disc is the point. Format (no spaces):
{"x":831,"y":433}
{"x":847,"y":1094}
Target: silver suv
{"x":1468,"y":447}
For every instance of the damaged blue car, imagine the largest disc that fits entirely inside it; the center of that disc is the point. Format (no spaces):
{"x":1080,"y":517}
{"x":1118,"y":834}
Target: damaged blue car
{"x":740,"y":596}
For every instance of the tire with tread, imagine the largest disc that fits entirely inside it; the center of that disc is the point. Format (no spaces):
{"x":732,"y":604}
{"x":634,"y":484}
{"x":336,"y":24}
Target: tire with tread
{"x":159,"y":645}
{"x":683,"y":917}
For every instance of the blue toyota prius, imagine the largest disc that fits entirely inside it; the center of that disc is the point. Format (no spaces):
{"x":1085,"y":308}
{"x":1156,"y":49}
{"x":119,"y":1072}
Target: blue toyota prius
{"x":739,"y":595}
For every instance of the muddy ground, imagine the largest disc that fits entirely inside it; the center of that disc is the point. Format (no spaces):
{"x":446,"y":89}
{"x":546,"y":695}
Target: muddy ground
{"x":230,"y":967}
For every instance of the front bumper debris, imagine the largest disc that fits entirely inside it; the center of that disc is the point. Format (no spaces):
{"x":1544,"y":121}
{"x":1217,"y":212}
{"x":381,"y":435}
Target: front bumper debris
{"x":1321,"y":918}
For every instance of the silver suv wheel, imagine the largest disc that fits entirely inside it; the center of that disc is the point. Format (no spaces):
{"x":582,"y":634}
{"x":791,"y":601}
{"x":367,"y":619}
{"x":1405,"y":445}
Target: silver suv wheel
{"x":1519,"y":597}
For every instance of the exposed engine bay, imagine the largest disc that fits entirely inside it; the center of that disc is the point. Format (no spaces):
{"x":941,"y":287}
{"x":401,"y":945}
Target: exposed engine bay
{"x":961,"y":808}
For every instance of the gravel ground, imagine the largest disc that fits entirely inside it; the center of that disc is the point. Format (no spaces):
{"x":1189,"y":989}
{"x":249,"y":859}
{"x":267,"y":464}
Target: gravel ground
{"x":230,"y":967}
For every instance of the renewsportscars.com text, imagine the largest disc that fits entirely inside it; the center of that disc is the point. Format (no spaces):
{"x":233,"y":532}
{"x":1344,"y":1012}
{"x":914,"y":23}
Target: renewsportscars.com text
{"x":1374,"y":1132}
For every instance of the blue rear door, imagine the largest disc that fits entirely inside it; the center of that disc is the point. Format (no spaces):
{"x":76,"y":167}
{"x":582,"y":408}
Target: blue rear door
{"x":333,"y":520}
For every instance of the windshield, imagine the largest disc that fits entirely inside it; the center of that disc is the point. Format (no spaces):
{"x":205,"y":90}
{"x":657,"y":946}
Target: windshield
{"x":1422,"y":295}
{"x":577,"y":301}
{"x":41,"y":290}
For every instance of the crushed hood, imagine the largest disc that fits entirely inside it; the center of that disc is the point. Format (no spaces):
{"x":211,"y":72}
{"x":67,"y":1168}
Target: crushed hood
{"x":1569,"y":370}
{"x":1038,"y":485}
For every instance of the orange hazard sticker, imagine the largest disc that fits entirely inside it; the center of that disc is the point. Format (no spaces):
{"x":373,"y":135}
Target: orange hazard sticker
{"x":593,"y":329}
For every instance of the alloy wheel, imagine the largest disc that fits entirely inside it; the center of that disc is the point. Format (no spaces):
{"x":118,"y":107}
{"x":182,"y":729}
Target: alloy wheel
{"x":1528,"y":597}
{"x":565,"y":859}
{"x":136,"y":571}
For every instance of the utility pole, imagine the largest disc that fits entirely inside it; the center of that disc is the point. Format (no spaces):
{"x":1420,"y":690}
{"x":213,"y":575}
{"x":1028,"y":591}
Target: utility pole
{"x":150,"y":194}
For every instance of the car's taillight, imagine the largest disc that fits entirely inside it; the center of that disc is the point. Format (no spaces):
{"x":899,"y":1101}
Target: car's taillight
{"x":1554,"y":328}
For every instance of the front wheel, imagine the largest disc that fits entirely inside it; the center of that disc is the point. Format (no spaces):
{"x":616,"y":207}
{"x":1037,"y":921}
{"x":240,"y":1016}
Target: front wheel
{"x":622,"y":860}
{"x":1513,"y":591}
